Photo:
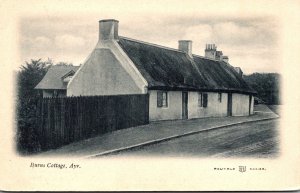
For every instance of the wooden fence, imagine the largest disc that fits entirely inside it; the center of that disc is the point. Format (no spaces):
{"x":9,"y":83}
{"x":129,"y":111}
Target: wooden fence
{"x":69,"y":119}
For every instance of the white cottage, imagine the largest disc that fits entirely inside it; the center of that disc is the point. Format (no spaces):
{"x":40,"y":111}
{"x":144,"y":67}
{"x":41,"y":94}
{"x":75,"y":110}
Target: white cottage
{"x":54,"y":83}
{"x":180,"y":84}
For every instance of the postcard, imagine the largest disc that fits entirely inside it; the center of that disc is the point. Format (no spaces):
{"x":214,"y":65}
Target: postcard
{"x":150,"y":95}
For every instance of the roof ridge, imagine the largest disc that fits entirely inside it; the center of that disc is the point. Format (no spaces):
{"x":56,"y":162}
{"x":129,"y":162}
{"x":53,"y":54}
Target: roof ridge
{"x":165,"y":47}
{"x":152,"y":44}
{"x":65,"y":66}
{"x":203,"y":57}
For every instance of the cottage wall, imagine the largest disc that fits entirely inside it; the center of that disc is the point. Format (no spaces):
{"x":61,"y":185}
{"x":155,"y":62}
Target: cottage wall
{"x":240,"y":105}
{"x":214,"y":107}
{"x":102,"y":74}
{"x":173,"y":111}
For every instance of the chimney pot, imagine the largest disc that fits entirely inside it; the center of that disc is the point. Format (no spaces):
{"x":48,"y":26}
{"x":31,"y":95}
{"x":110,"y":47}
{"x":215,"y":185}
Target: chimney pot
{"x":219,"y":55}
{"x":210,"y":51}
{"x":108,"y":29}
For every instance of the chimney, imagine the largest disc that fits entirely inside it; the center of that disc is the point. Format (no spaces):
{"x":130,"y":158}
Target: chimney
{"x":219,"y":55}
{"x":108,"y":29}
{"x":185,"y":46}
{"x":210,"y":51}
{"x":239,"y":71}
{"x":225,"y":59}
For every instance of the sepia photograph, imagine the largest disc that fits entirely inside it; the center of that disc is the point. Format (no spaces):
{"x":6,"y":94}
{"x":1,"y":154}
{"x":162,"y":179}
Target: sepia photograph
{"x":134,"y":90}
{"x":132,"y":97}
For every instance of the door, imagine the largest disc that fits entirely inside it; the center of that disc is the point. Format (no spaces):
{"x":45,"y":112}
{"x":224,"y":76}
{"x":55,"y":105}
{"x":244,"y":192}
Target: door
{"x":229,"y":104}
{"x":250,"y":104}
{"x":184,"y":105}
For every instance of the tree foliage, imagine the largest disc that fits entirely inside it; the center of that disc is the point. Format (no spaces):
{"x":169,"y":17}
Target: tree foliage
{"x":64,"y":64}
{"x":30,"y":74}
{"x":267,"y":86}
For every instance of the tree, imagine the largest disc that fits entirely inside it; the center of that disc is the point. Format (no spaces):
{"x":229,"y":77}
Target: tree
{"x":64,"y":64}
{"x":267,"y":86}
{"x":28,"y":77}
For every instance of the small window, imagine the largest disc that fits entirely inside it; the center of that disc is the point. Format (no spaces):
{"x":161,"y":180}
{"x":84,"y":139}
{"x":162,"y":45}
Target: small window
{"x":220,"y":97}
{"x":202,"y":99}
{"x":55,"y":93}
{"x":162,"y":99}
{"x":200,"y":102}
{"x":205,"y":99}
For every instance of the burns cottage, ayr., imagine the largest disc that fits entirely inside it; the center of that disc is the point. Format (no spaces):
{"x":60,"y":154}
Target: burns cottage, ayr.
{"x":180,"y":84}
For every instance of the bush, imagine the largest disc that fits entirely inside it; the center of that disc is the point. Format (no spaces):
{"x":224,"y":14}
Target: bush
{"x":27,"y":97}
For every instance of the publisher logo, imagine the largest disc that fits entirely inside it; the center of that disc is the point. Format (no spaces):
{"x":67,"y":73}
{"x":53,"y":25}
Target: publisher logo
{"x":242,"y":168}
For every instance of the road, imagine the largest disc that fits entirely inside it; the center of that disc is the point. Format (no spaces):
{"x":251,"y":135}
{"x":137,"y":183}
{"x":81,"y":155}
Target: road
{"x":256,"y":139}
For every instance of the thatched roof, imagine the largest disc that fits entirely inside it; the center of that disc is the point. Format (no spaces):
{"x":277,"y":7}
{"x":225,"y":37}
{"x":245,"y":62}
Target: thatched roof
{"x":53,"y":78}
{"x":171,"y":69}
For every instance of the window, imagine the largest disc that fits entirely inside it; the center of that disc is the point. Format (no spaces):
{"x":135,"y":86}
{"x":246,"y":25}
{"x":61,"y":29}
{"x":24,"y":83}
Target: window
{"x":200,"y":102}
{"x":202,"y":99}
{"x":205,"y":99}
{"x":162,"y":99}
{"x":220,"y":97}
{"x":55,"y":93}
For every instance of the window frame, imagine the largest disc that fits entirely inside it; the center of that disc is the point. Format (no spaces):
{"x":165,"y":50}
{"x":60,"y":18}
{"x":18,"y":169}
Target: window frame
{"x":200,"y":99}
{"x":205,"y":101}
{"x":220,"y":97}
{"x":164,"y":103}
{"x":55,"y":93}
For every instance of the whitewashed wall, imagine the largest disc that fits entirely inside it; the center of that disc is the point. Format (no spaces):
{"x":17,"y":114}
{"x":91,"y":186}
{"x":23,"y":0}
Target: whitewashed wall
{"x":214,"y":107}
{"x":102,"y":74}
{"x":240,"y":104}
{"x":107,"y":71}
{"x":173,"y":111}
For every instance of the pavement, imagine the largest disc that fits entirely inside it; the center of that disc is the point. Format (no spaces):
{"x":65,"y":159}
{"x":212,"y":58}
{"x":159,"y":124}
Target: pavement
{"x":155,"y":132}
{"x":258,"y":139}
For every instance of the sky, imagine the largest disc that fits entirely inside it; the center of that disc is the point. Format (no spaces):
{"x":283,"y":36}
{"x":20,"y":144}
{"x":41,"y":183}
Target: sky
{"x":250,"y":42}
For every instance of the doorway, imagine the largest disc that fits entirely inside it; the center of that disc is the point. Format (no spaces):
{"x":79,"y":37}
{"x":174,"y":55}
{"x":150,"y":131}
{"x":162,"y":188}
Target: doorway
{"x":184,"y":105}
{"x":229,"y":104}
{"x":250,"y":104}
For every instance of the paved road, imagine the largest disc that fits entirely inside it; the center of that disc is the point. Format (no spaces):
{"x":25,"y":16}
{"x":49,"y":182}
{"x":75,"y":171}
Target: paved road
{"x":258,"y":139}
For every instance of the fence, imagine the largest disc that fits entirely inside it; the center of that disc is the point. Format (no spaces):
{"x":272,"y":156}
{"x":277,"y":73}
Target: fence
{"x":69,"y":119}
